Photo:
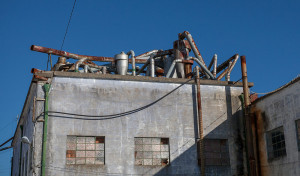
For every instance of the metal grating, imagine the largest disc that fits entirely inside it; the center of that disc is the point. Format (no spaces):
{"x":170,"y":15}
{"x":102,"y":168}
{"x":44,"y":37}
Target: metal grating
{"x":152,"y":151}
{"x":85,"y":150}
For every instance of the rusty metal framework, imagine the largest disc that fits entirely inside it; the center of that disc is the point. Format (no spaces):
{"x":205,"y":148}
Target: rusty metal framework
{"x":171,"y":63}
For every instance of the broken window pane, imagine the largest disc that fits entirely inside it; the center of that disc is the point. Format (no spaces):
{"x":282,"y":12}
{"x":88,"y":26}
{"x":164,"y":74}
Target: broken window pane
{"x":151,"y":151}
{"x":85,"y":150}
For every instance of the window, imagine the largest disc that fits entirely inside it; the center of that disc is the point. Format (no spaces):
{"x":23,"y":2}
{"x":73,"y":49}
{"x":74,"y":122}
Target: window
{"x":85,"y":150}
{"x":152,"y":151}
{"x":275,"y":143}
{"x":298,"y":132}
{"x":216,"y":152}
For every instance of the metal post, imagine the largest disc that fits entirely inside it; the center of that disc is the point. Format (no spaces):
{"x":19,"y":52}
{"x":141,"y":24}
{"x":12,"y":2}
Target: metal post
{"x":252,"y":170}
{"x":200,"y":121}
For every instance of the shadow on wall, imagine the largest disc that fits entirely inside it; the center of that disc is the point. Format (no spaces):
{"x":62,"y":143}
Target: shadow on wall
{"x":230,"y":130}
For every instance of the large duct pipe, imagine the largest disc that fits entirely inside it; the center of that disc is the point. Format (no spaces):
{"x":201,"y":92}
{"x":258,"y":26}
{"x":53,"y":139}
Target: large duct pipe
{"x":121,"y":63}
{"x":131,"y":52}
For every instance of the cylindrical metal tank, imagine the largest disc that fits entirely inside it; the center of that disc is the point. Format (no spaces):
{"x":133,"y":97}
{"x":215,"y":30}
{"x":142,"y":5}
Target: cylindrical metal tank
{"x":121,"y":61}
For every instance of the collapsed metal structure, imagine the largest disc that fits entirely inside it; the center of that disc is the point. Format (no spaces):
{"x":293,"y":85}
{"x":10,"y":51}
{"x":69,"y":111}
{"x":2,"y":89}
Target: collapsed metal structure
{"x":171,"y":63}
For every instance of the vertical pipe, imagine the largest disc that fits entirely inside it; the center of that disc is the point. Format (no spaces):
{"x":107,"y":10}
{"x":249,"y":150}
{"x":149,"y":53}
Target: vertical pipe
{"x":252,"y":170}
{"x":200,"y":121}
{"x":47,"y":88}
{"x":152,"y":66}
{"x":245,"y":81}
{"x":227,"y":76}
{"x":131,"y":52}
{"x":215,"y":65}
{"x":104,"y":70}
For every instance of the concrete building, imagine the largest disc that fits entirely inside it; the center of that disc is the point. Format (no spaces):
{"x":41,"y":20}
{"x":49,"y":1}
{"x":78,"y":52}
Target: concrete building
{"x":170,"y":123}
{"x":276,"y":129}
{"x":109,"y":120}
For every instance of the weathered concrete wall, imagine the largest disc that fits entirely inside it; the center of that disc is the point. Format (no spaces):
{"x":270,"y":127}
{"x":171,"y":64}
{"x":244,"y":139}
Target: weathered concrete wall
{"x":22,"y":152}
{"x":173,"y":117}
{"x":280,"y":109}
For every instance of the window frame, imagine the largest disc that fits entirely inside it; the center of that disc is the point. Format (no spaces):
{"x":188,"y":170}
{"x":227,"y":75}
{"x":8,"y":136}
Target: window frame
{"x":164,"y":161}
{"x":222,"y":152}
{"x":71,"y":153}
{"x":270,"y":144}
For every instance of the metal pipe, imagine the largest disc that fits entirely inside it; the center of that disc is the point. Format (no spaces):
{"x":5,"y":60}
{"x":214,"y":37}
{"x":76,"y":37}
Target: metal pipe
{"x":191,"y":41}
{"x":152,"y":66}
{"x":215,"y":65}
{"x":131,"y":52}
{"x":147,"y":54}
{"x":77,"y":56}
{"x":200,"y":121}
{"x":79,"y":63}
{"x":143,"y":67}
{"x":245,"y":81}
{"x":104,"y":70}
{"x":211,"y":62}
{"x":230,"y":67}
{"x":249,"y":136}
{"x":171,"y":68}
{"x":227,"y":76}
{"x":225,"y":64}
{"x":87,"y":69}
{"x":47,"y":89}
{"x":204,"y":68}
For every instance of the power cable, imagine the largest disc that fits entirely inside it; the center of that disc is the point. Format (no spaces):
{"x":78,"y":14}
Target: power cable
{"x":111,"y":116}
{"x":68,"y":26}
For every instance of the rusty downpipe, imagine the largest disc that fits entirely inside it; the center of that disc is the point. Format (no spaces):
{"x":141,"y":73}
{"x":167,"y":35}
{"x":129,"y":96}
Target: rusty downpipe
{"x":252,"y":170}
{"x":200,"y":123}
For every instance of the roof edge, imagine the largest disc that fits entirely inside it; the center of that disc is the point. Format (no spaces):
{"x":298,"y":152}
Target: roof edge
{"x":50,"y":74}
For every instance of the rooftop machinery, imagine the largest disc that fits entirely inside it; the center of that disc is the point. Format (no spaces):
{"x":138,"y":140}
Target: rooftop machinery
{"x":172,"y":63}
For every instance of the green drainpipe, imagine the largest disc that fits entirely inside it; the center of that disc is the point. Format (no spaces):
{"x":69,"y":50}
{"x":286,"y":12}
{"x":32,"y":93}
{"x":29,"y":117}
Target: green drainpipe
{"x":46,"y":88}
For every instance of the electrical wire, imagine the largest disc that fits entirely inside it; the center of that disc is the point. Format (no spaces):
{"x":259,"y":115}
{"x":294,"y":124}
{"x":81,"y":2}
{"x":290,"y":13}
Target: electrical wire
{"x":111,"y":116}
{"x":68,"y":25}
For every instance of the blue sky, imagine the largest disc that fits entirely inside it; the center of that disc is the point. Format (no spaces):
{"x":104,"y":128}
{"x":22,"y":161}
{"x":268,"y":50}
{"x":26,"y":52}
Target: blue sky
{"x":267,"y":32}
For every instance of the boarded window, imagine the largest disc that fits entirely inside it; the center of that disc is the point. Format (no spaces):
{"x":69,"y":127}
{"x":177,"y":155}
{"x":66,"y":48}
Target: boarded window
{"x":152,"y":151}
{"x":85,"y":150}
{"x":275,"y":143}
{"x":216,"y":152}
{"x":298,"y":133}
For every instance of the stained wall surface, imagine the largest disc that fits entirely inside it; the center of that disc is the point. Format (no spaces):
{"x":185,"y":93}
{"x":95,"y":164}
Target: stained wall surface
{"x":280,"y":109}
{"x":173,"y":117}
